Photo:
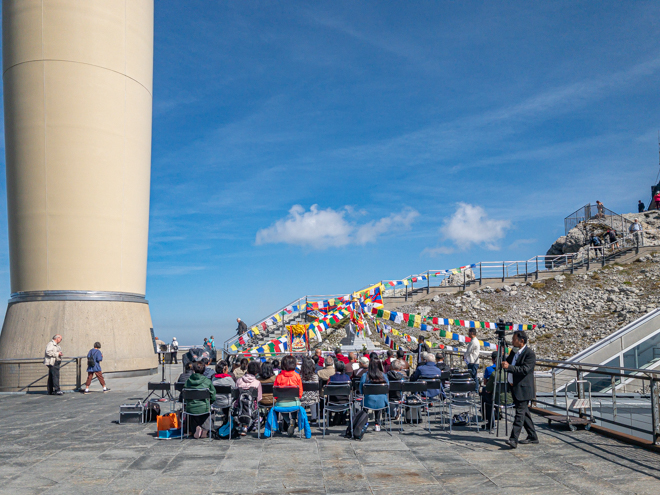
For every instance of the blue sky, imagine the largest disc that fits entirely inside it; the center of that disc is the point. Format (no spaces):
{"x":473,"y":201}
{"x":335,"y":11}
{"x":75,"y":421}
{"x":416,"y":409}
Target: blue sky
{"x":313,"y":148}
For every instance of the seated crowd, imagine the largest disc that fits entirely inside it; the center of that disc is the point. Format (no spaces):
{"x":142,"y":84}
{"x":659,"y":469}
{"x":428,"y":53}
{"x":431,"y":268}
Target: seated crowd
{"x":248,"y":375}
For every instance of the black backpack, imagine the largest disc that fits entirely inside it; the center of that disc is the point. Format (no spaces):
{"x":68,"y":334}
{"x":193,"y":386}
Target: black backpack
{"x":91,"y":362}
{"x":359,"y":425}
{"x":245,"y":408}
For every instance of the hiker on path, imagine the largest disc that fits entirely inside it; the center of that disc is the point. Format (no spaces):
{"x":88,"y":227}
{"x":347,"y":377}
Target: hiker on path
{"x":638,"y":232}
{"x":611,"y":237}
{"x":53,"y":359}
{"x":597,"y":244}
{"x":94,"y":358}
{"x":242,"y":327}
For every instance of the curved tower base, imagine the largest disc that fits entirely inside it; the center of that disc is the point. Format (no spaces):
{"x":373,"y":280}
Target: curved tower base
{"x":124,"y":330}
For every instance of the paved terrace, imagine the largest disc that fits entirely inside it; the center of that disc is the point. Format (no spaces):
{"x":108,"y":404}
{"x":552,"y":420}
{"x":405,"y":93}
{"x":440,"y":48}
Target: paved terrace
{"x":72,"y":444}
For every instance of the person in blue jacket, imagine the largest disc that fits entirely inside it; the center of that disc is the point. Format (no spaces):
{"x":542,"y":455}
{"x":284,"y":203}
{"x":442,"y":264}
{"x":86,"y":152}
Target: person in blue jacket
{"x":94,"y":358}
{"x":378,"y":402}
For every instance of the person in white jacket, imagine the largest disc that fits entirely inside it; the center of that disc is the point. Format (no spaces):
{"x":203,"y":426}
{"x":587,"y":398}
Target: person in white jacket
{"x":472,"y":355}
{"x":52,"y":359}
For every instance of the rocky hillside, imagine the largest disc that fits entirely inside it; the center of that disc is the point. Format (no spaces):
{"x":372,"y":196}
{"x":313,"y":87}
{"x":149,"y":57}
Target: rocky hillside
{"x":577,"y":310}
{"x":572,"y":311}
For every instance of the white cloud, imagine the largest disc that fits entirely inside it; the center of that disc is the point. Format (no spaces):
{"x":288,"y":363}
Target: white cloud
{"x":396,"y":221}
{"x":321,"y":229}
{"x":468,"y":226}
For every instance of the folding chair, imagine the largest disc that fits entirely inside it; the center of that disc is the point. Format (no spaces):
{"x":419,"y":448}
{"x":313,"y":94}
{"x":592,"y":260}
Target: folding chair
{"x":377,"y":389}
{"x":266,"y":388}
{"x":343,"y":390}
{"x":436,"y":384}
{"x":224,"y":390}
{"x":357,"y":396}
{"x":396,"y":388}
{"x":284,"y":393}
{"x":462,"y":393}
{"x":235,"y":395}
{"x":313,"y":387}
{"x":189,"y":394}
{"x":414,"y":388}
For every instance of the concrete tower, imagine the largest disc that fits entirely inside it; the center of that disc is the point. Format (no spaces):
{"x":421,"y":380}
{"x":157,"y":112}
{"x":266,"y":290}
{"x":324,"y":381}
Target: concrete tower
{"x":77,"y":78}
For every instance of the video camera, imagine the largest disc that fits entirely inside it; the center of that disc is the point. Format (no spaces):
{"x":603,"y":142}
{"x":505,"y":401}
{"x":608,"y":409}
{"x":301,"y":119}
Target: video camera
{"x":501,"y":328}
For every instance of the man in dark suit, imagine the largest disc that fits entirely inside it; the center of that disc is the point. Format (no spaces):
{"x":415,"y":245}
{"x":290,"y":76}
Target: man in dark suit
{"x":520,"y":369}
{"x":422,"y":347}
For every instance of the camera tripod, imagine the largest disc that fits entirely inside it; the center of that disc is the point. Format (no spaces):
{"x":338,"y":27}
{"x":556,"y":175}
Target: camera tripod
{"x":499,"y":386}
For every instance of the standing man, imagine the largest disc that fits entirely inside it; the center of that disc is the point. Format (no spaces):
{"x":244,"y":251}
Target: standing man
{"x":640,"y":206}
{"x":472,"y":355}
{"x":637,"y":231}
{"x":212,"y":343}
{"x":94,"y":358}
{"x":422,"y":348}
{"x":520,"y":369}
{"x":175,"y":348}
{"x":242,"y":327}
{"x":52,"y":359}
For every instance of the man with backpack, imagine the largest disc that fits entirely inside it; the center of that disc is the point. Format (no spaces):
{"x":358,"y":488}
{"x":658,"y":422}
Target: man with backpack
{"x":94,"y":358}
{"x":595,"y":242}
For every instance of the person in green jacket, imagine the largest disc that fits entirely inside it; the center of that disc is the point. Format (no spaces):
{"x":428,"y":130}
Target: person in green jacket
{"x":504,"y":393}
{"x":201,"y":423}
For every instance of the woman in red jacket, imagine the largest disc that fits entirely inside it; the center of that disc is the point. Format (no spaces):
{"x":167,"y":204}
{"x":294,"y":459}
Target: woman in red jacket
{"x":289,"y":378}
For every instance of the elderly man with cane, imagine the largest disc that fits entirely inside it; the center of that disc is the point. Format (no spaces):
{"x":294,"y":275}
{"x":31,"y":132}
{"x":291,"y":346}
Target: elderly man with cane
{"x":520,"y":369}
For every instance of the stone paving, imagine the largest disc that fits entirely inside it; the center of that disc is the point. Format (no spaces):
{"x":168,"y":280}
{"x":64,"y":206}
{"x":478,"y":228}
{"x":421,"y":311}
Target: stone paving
{"x":73,"y":444}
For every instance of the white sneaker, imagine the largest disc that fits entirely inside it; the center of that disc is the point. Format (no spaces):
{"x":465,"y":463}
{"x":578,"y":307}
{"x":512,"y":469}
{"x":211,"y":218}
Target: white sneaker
{"x":377,"y":428}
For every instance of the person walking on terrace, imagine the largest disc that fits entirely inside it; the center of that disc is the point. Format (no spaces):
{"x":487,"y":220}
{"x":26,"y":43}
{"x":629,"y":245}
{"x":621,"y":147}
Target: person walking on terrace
{"x":94,"y":358}
{"x":53,"y":359}
{"x":520,"y":369}
{"x":174,"y":346}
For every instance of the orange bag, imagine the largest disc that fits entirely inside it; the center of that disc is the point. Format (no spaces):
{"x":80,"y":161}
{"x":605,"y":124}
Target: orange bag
{"x":167,"y":421}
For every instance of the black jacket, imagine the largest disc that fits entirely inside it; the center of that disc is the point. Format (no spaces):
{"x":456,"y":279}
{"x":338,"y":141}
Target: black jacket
{"x":415,"y":350}
{"x":242,"y":328}
{"x":523,"y":374}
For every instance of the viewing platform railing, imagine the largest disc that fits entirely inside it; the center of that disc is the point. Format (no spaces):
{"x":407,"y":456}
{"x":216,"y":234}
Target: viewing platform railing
{"x":31,"y":375}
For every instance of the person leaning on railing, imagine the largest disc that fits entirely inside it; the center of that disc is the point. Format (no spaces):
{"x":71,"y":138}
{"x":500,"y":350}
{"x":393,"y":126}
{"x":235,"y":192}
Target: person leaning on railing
{"x":53,"y":359}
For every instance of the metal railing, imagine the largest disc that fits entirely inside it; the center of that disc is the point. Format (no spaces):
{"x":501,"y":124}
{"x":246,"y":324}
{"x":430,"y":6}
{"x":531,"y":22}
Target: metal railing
{"x":301,"y":302}
{"x":594,"y":213}
{"x":630,"y":405}
{"x":521,"y":270}
{"x":30,"y":374}
{"x":640,"y":417}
